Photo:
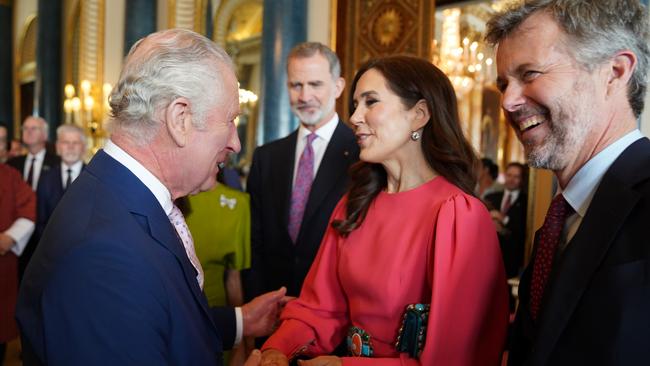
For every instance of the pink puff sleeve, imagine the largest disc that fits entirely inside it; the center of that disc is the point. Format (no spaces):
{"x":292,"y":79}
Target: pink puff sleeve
{"x":469,"y":307}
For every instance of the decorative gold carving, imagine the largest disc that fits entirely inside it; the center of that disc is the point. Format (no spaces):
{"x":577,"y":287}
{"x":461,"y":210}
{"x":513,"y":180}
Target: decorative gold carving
{"x":387,"y":27}
{"x":374,"y":28}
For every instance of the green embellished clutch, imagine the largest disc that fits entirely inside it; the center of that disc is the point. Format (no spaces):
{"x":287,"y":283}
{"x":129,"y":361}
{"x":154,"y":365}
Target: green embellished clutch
{"x":412,"y":333}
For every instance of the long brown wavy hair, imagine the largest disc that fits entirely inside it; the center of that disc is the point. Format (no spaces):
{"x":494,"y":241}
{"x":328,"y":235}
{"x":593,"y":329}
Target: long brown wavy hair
{"x":444,"y":146}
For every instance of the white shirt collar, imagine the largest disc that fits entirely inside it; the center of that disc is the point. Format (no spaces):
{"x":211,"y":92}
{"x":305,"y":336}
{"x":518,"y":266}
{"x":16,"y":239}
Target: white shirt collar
{"x":76,"y":167}
{"x":149,"y":180}
{"x":40,"y":156}
{"x":582,"y":187}
{"x":325,"y":132}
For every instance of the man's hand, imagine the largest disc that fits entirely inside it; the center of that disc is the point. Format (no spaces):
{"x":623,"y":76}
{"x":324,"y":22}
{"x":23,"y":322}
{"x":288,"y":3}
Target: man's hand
{"x":273,"y":357}
{"x":261,"y":314}
{"x":321,"y":361}
{"x":497,"y":219}
{"x":6,"y":242}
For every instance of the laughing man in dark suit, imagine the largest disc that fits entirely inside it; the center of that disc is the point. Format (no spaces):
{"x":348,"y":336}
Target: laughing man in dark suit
{"x":573,"y":78}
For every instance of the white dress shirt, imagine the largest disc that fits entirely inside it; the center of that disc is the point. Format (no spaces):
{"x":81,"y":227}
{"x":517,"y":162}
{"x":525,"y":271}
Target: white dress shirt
{"x":162,"y":196}
{"x":75,"y":171}
{"x":20,"y":231}
{"x":38,"y":164}
{"x":319,"y":145}
{"x":582,"y":187}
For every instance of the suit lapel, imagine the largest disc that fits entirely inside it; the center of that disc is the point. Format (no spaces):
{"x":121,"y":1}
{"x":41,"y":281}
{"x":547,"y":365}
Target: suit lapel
{"x":283,"y":175}
{"x":58,"y":182}
{"x":141,"y":202}
{"x":612,"y":203}
{"x":329,"y":170}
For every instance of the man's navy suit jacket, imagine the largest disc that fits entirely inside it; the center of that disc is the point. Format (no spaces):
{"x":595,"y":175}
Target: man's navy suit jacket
{"x":118,"y":288}
{"x":49,"y":193}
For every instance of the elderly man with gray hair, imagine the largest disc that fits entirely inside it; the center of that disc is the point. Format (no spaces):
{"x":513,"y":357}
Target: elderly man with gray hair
{"x":70,"y":147}
{"x":573,"y":78}
{"x":125,"y":287}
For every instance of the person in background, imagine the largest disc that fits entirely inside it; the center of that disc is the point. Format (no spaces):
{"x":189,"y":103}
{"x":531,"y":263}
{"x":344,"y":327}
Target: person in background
{"x":32,"y":165}
{"x":70,"y":147}
{"x":487,"y":178}
{"x":295,"y":182}
{"x":573,"y":77}
{"x":220,"y":223}
{"x":38,"y":159}
{"x":125,"y":286}
{"x":17,"y":217}
{"x":509,"y":209}
{"x":409,"y":271}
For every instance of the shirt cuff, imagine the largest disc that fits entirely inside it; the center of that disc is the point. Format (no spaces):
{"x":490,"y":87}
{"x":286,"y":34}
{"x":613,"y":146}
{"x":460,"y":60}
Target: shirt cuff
{"x":239,"y":318}
{"x":20,"y":231}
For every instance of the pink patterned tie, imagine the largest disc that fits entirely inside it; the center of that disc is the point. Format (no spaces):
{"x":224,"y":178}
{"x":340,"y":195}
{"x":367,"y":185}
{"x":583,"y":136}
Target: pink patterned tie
{"x":302,"y":187}
{"x":177,"y":219}
{"x":549,"y":237}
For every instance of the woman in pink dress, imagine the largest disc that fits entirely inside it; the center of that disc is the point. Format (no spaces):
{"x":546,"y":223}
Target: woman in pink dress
{"x":409,"y":271}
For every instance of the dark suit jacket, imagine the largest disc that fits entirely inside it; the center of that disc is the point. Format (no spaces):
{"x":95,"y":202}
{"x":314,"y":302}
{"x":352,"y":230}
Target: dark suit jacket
{"x":512,"y":240}
{"x":49,"y":193}
{"x":119,"y":288}
{"x":596,"y":309}
{"x":276,"y":260}
{"x":49,"y":161}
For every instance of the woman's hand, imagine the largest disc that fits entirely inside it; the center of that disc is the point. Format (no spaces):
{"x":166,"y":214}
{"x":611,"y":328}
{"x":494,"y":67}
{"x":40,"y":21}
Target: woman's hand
{"x":321,"y":361}
{"x":273,"y":357}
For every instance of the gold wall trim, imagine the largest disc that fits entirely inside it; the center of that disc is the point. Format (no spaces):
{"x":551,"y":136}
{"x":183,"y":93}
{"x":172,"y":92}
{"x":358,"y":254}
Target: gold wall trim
{"x":17,"y":67}
{"x":171,"y":14}
{"x":540,"y":194}
{"x":91,"y":47}
{"x":27,"y":73}
{"x":72,"y":13}
{"x":333,"y":24}
{"x":200,"y":14}
{"x":222,"y":19}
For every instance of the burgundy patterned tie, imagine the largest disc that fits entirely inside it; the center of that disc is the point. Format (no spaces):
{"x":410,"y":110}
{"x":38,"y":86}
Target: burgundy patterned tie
{"x":549,"y":237}
{"x":302,"y":187}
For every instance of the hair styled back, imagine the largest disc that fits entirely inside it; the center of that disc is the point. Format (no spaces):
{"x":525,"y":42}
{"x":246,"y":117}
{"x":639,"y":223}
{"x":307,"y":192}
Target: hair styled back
{"x":595,"y":29}
{"x":70,"y":128}
{"x":160,"y":68}
{"x":309,"y":49}
{"x":443,"y":144}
